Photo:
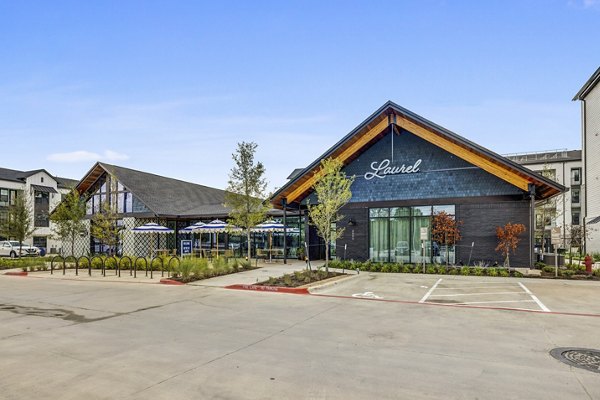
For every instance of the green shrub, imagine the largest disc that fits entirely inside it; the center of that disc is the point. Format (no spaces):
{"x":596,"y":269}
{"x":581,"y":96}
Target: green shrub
{"x":406,"y":268}
{"x":539,"y":265}
{"x":452,"y":271}
{"x":375,"y":267}
{"x":417,"y":269}
{"x":596,"y":272}
{"x":492,"y":272}
{"x":465,"y":271}
{"x":517,"y":274}
{"x":430,"y":270}
{"x":503,"y":272}
{"x":567,"y":273}
{"x":287,"y":280}
{"x":184,"y":268}
{"x":441,"y":269}
{"x":596,"y":256}
{"x":386,"y":268}
{"x":478,"y":271}
{"x":548,"y":269}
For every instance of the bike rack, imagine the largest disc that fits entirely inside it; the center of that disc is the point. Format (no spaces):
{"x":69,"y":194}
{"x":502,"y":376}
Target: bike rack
{"x":128,"y":262}
{"x":52,"y":263}
{"x":101,"y":263}
{"x":117,"y":270}
{"x":174,"y":258}
{"x":65,"y":264}
{"x":135,"y":263}
{"x":89,"y":263}
{"x":162,"y":265}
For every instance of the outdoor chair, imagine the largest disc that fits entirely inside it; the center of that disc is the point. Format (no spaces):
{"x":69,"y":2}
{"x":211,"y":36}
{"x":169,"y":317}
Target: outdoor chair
{"x":262,"y":254}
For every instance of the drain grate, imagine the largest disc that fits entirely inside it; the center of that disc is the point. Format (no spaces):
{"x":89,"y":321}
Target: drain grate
{"x":581,"y":358}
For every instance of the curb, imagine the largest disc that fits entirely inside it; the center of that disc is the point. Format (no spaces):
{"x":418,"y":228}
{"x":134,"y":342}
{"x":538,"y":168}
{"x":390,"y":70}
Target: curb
{"x":167,"y":281}
{"x":271,"y":289}
{"x":15,"y":273}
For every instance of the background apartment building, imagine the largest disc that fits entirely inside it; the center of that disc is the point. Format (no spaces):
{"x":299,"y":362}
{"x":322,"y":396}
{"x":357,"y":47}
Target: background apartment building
{"x":42,"y":192}
{"x":589,"y":95}
{"x":563,"y":210}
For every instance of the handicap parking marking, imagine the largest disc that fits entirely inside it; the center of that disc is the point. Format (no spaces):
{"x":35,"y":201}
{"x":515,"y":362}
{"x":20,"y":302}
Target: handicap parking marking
{"x":367,"y":295}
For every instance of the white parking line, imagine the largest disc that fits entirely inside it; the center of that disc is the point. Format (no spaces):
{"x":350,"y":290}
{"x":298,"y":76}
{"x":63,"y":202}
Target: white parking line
{"x":493,"y":302}
{"x":472,"y":294}
{"x":539,"y":303}
{"x":473,"y":287}
{"x":430,"y":291}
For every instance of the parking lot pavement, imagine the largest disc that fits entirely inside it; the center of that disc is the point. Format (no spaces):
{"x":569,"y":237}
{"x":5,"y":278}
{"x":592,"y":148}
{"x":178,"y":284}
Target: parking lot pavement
{"x":543,"y":295}
{"x":64,"y":339}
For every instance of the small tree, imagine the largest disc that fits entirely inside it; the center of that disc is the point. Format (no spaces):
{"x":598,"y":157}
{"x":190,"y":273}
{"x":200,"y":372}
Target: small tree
{"x":508,"y":239}
{"x":245,"y":194}
{"x":18,"y":223}
{"x":333,"y":192}
{"x":68,"y":218}
{"x":104,"y":226}
{"x":444,"y":230}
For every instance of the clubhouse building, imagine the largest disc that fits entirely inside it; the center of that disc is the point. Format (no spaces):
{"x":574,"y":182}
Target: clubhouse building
{"x":406,"y":170}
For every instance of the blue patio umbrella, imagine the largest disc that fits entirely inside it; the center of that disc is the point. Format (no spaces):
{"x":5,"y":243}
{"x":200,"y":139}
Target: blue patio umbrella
{"x":153,"y":228}
{"x":217,"y":226}
{"x":193,"y":229}
{"x":270,"y":227}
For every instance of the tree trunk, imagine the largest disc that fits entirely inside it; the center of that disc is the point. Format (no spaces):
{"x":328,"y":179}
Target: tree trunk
{"x":73,"y":245}
{"x":327,"y":257}
{"x":249,"y":250}
{"x":20,"y":248}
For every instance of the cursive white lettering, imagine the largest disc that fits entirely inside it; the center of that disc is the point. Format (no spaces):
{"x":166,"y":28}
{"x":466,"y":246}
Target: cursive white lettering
{"x":383,"y":168}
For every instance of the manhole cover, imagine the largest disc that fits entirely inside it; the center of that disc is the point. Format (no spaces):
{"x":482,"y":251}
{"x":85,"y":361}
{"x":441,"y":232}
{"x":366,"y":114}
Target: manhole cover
{"x":581,"y":358}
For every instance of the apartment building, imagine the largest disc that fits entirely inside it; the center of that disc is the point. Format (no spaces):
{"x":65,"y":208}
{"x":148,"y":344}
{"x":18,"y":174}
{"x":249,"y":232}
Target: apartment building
{"x":564,"y":210}
{"x":43,"y":192}
{"x":589,"y":95}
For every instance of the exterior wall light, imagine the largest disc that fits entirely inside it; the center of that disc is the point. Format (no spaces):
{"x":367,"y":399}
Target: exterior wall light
{"x":351,"y":222}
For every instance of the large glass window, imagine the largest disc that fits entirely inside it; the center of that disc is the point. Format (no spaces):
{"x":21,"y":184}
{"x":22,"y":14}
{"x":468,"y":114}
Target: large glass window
{"x":575,"y":196}
{"x":41,"y":210}
{"x":395,"y":233}
{"x":575,"y":176}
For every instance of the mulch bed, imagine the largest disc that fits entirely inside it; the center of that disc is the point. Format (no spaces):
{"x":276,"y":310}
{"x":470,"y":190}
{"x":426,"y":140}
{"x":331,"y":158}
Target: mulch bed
{"x":299,"y":278}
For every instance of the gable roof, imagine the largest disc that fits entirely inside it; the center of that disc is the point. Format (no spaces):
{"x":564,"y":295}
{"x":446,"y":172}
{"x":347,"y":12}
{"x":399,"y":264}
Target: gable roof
{"x":65,"y":183}
{"x":378,"y":124}
{"x":588,"y":86}
{"x":14,"y":175}
{"x":165,"y":197}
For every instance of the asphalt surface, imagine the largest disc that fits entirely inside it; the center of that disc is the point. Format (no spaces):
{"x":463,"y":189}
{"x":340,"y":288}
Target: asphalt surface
{"x":69,"y":339}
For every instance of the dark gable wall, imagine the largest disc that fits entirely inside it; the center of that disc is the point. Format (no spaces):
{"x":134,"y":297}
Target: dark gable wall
{"x":482,"y":200}
{"x":441,"y":175}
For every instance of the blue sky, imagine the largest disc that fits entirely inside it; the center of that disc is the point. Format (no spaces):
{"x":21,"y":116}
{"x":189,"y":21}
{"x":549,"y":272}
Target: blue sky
{"x":170,"y":87}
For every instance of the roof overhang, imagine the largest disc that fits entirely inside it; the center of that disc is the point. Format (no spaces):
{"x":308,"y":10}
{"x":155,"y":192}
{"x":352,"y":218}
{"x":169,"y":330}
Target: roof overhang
{"x":588,"y":86}
{"x":380,"y":122}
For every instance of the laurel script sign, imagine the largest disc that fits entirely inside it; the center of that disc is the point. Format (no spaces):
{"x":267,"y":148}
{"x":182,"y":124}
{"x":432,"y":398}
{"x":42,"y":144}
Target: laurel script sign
{"x":383,"y":168}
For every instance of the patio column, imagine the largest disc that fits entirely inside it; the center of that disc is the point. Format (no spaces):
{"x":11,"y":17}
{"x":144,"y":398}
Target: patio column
{"x":284,"y":203}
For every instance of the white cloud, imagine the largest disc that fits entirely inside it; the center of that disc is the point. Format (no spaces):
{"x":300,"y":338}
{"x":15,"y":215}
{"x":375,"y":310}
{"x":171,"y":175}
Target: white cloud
{"x":86,"y":156}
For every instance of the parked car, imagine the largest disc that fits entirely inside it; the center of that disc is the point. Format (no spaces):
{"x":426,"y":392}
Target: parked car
{"x":10,"y":248}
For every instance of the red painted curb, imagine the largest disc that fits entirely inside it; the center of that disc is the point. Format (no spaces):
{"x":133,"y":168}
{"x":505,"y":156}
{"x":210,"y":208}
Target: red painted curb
{"x":166,"y":281}
{"x":14,"y":273}
{"x":272,"y":289}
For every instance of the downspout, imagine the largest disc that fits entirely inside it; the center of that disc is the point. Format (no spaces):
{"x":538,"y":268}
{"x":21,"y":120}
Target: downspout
{"x":284,"y":204}
{"x":584,"y":177}
{"x":531,"y":224}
